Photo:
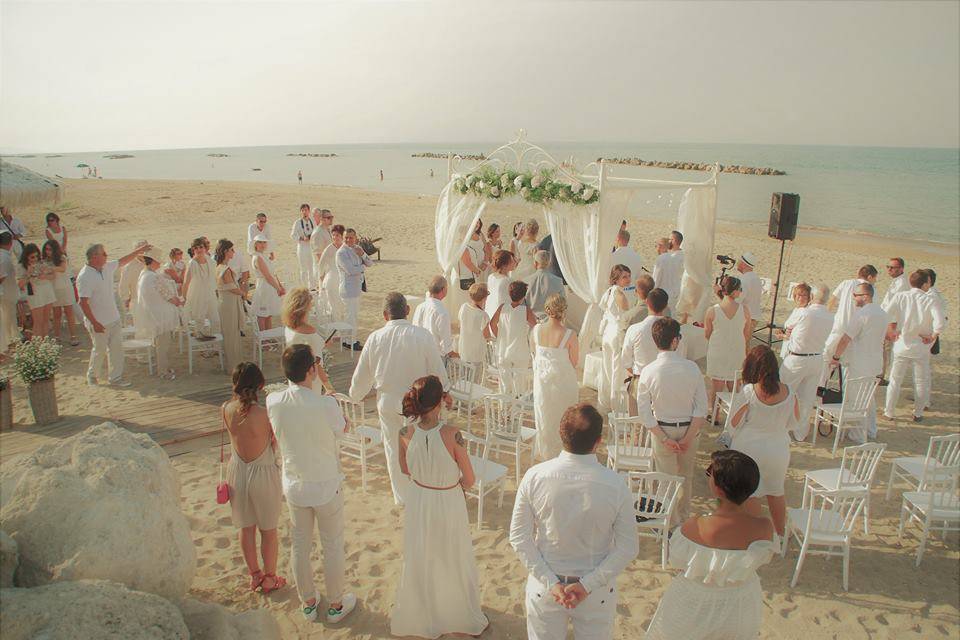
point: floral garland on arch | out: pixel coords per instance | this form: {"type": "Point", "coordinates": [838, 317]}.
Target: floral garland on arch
{"type": "Point", "coordinates": [538, 188]}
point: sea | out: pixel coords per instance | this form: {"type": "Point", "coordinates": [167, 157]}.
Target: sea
{"type": "Point", "coordinates": [893, 192]}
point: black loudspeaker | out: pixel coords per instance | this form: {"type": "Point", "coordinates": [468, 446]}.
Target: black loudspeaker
{"type": "Point", "coordinates": [784, 209]}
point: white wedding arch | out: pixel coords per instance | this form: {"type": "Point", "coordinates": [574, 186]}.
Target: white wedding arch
{"type": "Point", "coordinates": [583, 234]}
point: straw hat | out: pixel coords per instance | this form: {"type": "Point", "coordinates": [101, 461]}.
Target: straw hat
{"type": "Point", "coordinates": [749, 259]}
{"type": "Point", "coordinates": [153, 253]}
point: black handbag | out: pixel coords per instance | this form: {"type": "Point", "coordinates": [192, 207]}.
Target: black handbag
{"type": "Point", "coordinates": [935, 349]}
{"type": "Point", "coordinates": [466, 283]}
{"type": "Point", "coordinates": [828, 394]}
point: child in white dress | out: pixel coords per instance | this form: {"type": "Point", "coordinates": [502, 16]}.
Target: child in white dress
{"type": "Point", "coordinates": [474, 325]}
{"type": "Point", "coordinates": [511, 325]}
{"type": "Point", "coordinates": [200, 289]}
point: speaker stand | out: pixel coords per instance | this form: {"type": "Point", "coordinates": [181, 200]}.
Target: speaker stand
{"type": "Point", "coordinates": [769, 341]}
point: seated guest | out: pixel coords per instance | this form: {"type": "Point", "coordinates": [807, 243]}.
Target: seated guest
{"type": "Point", "coordinates": [254, 477]}
{"type": "Point", "coordinates": [298, 330]}
{"type": "Point", "coordinates": [156, 313]}
{"type": "Point", "coordinates": [717, 594]}
{"type": "Point", "coordinates": [474, 326]}
{"type": "Point", "coordinates": [542, 283]}
{"type": "Point", "coordinates": [434, 317]}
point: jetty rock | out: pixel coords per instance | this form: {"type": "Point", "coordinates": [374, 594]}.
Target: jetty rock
{"type": "Point", "coordinates": [208, 621]}
{"type": "Point", "coordinates": [102, 504]}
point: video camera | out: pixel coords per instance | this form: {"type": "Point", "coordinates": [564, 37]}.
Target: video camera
{"type": "Point", "coordinates": [726, 262]}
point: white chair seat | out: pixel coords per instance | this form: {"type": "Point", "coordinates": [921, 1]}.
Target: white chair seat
{"type": "Point", "coordinates": [642, 459]}
{"type": "Point", "coordinates": [914, 465]}
{"type": "Point", "coordinates": [467, 391]}
{"type": "Point", "coordinates": [921, 499]}
{"type": "Point", "coordinates": [833, 410]}
{"type": "Point", "coordinates": [371, 433]}
{"type": "Point", "coordinates": [831, 478]}
{"type": "Point", "coordinates": [821, 520]}
{"type": "Point", "coordinates": [487, 470]}
{"type": "Point", "coordinates": [137, 343]}
{"type": "Point", "coordinates": [272, 334]}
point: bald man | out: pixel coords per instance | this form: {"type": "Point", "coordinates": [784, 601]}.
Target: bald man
{"type": "Point", "coordinates": [434, 317]}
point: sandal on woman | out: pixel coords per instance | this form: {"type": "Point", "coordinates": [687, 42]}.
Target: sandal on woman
{"type": "Point", "coordinates": [278, 583]}
{"type": "Point", "coordinates": [256, 579]}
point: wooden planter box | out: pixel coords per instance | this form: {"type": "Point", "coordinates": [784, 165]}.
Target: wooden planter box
{"type": "Point", "coordinates": [6, 408]}
{"type": "Point", "coordinates": [43, 401]}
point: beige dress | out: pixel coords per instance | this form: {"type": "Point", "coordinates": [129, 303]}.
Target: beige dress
{"type": "Point", "coordinates": [256, 492]}
{"type": "Point", "coordinates": [231, 318]}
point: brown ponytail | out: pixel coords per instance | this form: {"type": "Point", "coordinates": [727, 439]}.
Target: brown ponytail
{"type": "Point", "coordinates": [728, 285]}
{"type": "Point", "coordinates": [760, 368]}
{"type": "Point", "coordinates": [425, 394]}
{"type": "Point", "coordinates": [247, 382]}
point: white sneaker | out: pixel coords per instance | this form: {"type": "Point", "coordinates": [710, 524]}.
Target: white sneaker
{"type": "Point", "coordinates": [120, 383]}
{"type": "Point", "coordinates": [347, 604]}
{"type": "Point", "coordinates": [310, 611]}
{"type": "Point", "coordinates": [91, 381]}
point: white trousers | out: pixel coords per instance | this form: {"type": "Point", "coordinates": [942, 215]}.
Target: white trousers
{"type": "Point", "coordinates": [333, 303]}
{"type": "Point", "coordinates": [592, 619]}
{"type": "Point", "coordinates": [352, 311]}
{"type": "Point", "coordinates": [329, 520]}
{"type": "Point", "coordinates": [802, 374]}
{"type": "Point", "coordinates": [8, 322]}
{"type": "Point", "coordinates": [305, 260]}
{"type": "Point", "coordinates": [921, 382]}
{"type": "Point", "coordinates": [611, 391]}
{"type": "Point", "coordinates": [389, 406]}
{"type": "Point", "coordinates": [106, 346]}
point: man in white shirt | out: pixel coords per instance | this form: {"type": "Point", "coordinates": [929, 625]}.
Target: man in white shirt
{"type": "Point", "coordinates": [916, 322]}
{"type": "Point", "coordinates": [898, 282]}
{"type": "Point", "coordinates": [941, 302]}
{"type": "Point", "coordinates": [668, 270]}
{"type": "Point", "coordinates": [672, 403]}
{"type": "Point", "coordinates": [129, 276]}
{"type": "Point", "coordinates": [300, 232]}
{"type": "Point", "coordinates": [307, 425]}
{"type": "Point", "coordinates": [805, 332]}
{"type": "Point", "coordinates": [352, 262]}
{"type": "Point", "coordinates": [100, 313]}
{"type": "Point", "coordinates": [434, 317]}
{"type": "Point", "coordinates": [750, 285]}
{"type": "Point", "coordinates": [14, 226]}
{"type": "Point", "coordinates": [260, 228]}
{"type": "Point", "coordinates": [240, 265]}
{"type": "Point", "coordinates": [842, 304]}
{"type": "Point", "coordinates": [394, 357]}
{"type": "Point", "coordinates": [9, 293]}
{"type": "Point", "coordinates": [863, 345]}
{"type": "Point", "coordinates": [625, 254]}
{"type": "Point", "coordinates": [573, 561]}
{"type": "Point", "coordinates": [328, 276]}
{"type": "Point", "coordinates": [320, 239]}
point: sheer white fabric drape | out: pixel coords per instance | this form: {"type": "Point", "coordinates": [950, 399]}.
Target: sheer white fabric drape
{"type": "Point", "coordinates": [456, 216]}
{"type": "Point", "coordinates": [696, 220]}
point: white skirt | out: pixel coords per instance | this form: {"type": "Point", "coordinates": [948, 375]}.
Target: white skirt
{"type": "Point", "coordinates": [265, 301]}
{"type": "Point", "coordinates": [43, 294]}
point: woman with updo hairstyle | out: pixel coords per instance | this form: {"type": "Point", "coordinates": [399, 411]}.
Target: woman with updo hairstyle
{"type": "Point", "coordinates": [611, 390]}
{"type": "Point", "coordinates": [717, 591]}
{"type": "Point", "coordinates": [439, 590]}
{"type": "Point", "coordinates": [498, 282]}
{"type": "Point", "coordinates": [472, 260]}
{"type": "Point", "coordinates": [760, 429]}
{"type": "Point", "coordinates": [254, 477]}
{"type": "Point", "coordinates": [297, 329]}
{"type": "Point", "coordinates": [727, 327]}
{"type": "Point", "coordinates": [556, 352]}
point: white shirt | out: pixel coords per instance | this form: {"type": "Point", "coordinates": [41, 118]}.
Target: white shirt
{"type": "Point", "coordinates": [939, 301]}
{"type": "Point", "coordinates": [670, 389]}
{"type": "Point", "coordinates": [97, 287]}
{"type": "Point", "coordinates": [810, 327]}
{"type": "Point", "coordinates": [394, 356]}
{"type": "Point", "coordinates": [898, 284]}
{"type": "Point", "coordinates": [639, 349]}
{"type": "Point", "coordinates": [314, 340]}
{"type": "Point", "coordinates": [628, 258]}
{"type": "Point", "coordinates": [668, 274]}
{"type": "Point", "coordinates": [307, 425]}
{"type": "Point", "coordinates": [129, 277]}
{"type": "Point", "coordinates": [302, 229]}
{"type": "Point", "coordinates": [351, 267]}
{"type": "Point", "coordinates": [253, 231]}
{"type": "Point", "coordinates": [752, 292]}
{"type": "Point", "coordinates": [916, 314]}
{"type": "Point", "coordinates": [550, 533]}
{"type": "Point", "coordinates": [434, 317]}
{"type": "Point", "coordinates": [8, 271]}
{"type": "Point", "coordinates": [320, 239]}
{"type": "Point", "coordinates": [867, 329]}
{"type": "Point", "coordinates": [239, 264]}
{"type": "Point", "coordinates": [845, 304]}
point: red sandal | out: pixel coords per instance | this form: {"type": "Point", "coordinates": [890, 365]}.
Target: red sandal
{"type": "Point", "coordinates": [256, 579]}
{"type": "Point", "coordinates": [278, 583]}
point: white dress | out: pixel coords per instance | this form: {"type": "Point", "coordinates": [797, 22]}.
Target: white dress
{"type": "Point", "coordinates": [762, 435]}
{"type": "Point", "coordinates": [314, 340]}
{"type": "Point", "coordinates": [499, 288]}
{"type": "Point", "coordinates": [513, 337]}
{"type": "Point", "coordinates": [610, 387]}
{"type": "Point", "coordinates": [472, 346]}
{"type": "Point", "coordinates": [43, 293]}
{"type": "Point", "coordinates": [727, 346]}
{"type": "Point", "coordinates": [555, 388]}
{"type": "Point", "coordinates": [717, 597]}
{"type": "Point", "coordinates": [526, 251]}
{"type": "Point", "coordinates": [201, 301]}
{"type": "Point", "coordinates": [56, 235]}
{"type": "Point", "coordinates": [265, 300]}
{"type": "Point", "coordinates": [62, 287]}
{"type": "Point", "coordinates": [475, 251]}
{"type": "Point", "coordinates": [152, 312]}
{"type": "Point", "coordinates": [439, 588]}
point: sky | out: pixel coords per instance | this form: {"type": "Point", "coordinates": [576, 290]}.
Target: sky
{"type": "Point", "coordinates": [87, 75]}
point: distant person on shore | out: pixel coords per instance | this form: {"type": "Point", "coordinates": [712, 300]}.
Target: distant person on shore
{"type": "Point", "coordinates": [898, 282]}
{"type": "Point", "coordinates": [260, 228]}
{"type": "Point", "coordinates": [300, 177]}
{"type": "Point", "coordinates": [329, 276]}
{"type": "Point", "coordinates": [9, 293]}
{"type": "Point", "coordinates": [434, 317]}
{"type": "Point", "coordinates": [300, 233]}
{"type": "Point", "coordinates": [352, 262]}
{"type": "Point", "coordinates": [668, 270]}
{"type": "Point", "coordinates": [320, 239]}
{"type": "Point", "coordinates": [381, 175]}
{"type": "Point", "coordinates": [541, 284]}
{"type": "Point", "coordinates": [56, 231]}
{"type": "Point", "coordinates": [200, 289]}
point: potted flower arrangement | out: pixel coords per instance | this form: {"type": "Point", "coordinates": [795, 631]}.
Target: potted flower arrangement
{"type": "Point", "coordinates": [6, 404]}
{"type": "Point", "coordinates": [36, 362]}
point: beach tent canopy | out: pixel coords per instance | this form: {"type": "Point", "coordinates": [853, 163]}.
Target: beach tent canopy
{"type": "Point", "coordinates": [20, 187]}
{"type": "Point", "coordinates": [583, 234]}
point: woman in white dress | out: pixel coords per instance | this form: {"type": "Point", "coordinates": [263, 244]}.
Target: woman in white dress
{"type": "Point", "coordinates": [472, 260]}
{"type": "Point", "coordinates": [556, 351]}
{"type": "Point", "coordinates": [511, 325]}
{"type": "Point", "coordinates": [175, 269]}
{"type": "Point", "coordinates": [36, 278]}
{"type": "Point", "coordinates": [499, 281]}
{"type": "Point", "coordinates": [494, 243]}
{"type": "Point", "coordinates": [155, 311]}
{"type": "Point", "coordinates": [760, 429]}
{"type": "Point", "coordinates": [56, 260]}
{"type": "Point", "coordinates": [56, 231]}
{"type": "Point", "coordinates": [266, 296]}
{"type": "Point", "coordinates": [526, 249]}
{"type": "Point", "coordinates": [727, 328]}
{"type": "Point", "coordinates": [717, 595]}
{"type": "Point", "coordinates": [474, 326]}
{"type": "Point", "coordinates": [200, 289]}
{"type": "Point", "coordinates": [298, 330]}
{"type": "Point", "coordinates": [439, 589]}
{"type": "Point", "coordinates": [611, 390]}
{"type": "Point", "coordinates": [330, 302]}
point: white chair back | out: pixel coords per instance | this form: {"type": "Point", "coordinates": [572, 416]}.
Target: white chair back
{"type": "Point", "coordinates": [941, 484]}
{"type": "Point", "coordinates": [833, 512]}
{"type": "Point", "coordinates": [464, 372]}
{"type": "Point", "coordinates": [476, 447]}
{"type": "Point", "coordinates": [858, 396]}
{"type": "Point", "coordinates": [355, 412]}
{"type": "Point", "coordinates": [656, 494]}
{"type": "Point", "coordinates": [516, 383]}
{"type": "Point", "coordinates": [630, 437]}
{"type": "Point", "coordinates": [502, 419]}
{"type": "Point", "coordinates": [945, 450]}
{"type": "Point", "coordinates": [859, 464]}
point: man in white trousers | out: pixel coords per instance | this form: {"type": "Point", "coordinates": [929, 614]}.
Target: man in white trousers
{"type": "Point", "coordinates": [9, 293]}
{"type": "Point", "coordinates": [352, 262]}
{"type": "Point", "coordinates": [574, 529]}
{"type": "Point", "coordinates": [320, 239]}
{"type": "Point", "coordinates": [394, 357]}
{"type": "Point", "coordinates": [668, 270]}
{"type": "Point", "coordinates": [434, 317]}
{"type": "Point", "coordinates": [300, 232]}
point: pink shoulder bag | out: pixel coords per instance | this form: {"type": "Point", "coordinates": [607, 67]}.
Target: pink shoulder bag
{"type": "Point", "coordinates": [223, 489]}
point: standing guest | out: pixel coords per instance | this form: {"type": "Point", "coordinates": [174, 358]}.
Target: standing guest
{"type": "Point", "coordinates": [200, 289]}
{"type": "Point", "coordinates": [863, 343]}
{"type": "Point", "coordinates": [916, 321]}
{"type": "Point", "coordinates": [573, 561]}
{"type": "Point", "coordinates": [556, 352]}
{"type": "Point", "coordinates": [320, 239]}
{"type": "Point", "coordinates": [493, 244]}
{"type": "Point", "coordinates": [842, 304]}
{"type": "Point", "coordinates": [474, 326]}
{"type": "Point", "coordinates": [297, 330]}
{"type": "Point", "coordinates": [645, 285]}
{"type": "Point", "coordinates": [300, 232]}
{"type": "Point", "coordinates": [668, 269]}
{"type": "Point", "coordinates": [395, 356]}
{"type": "Point", "coordinates": [300, 177]}
{"type": "Point", "coordinates": [260, 228]}
{"type": "Point", "coordinates": [9, 293]}
{"type": "Point", "coordinates": [498, 282]}
{"type": "Point", "coordinates": [256, 492]}
{"type": "Point", "coordinates": [541, 284]}
{"type": "Point", "coordinates": [473, 259]}
{"type": "Point", "coordinates": [769, 409]}
{"type": "Point", "coordinates": [307, 425]}
{"type": "Point", "coordinates": [434, 317]}
{"type": "Point", "coordinates": [898, 282]}
{"type": "Point", "coordinates": [101, 316]}
{"type": "Point", "coordinates": [616, 310]}
{"type": "Point", "coordinates": [240, 266]}
{"type": "Point", "coordinates": [639, 349]}
{"type": "Point", "coordinates": [672, 402]}
{"type": "Point", "coordinates": [156, 313]}
{"type": "Point", "coordinates": [727, 328]}
{"type": "Point", "coordinates": [268, 289]}
{"type": "Point", "coordinates": [722, 598]}
{"type": "Point", "coordinates": [941, 302]}
{"type": "Point", "coordinates": [329, 277]}
{"type": "Point", "coordinates": [662, 246]}
{"type": "Point", "coordinates": [352, 262]}
{"type": "Point", "coordinates": [439, 590]}
{"type": "Point", "coordinates": [626, 255]}
{"type": "Point", "coordinates": [806, 332]}
{"type": "Point", "coordinates": [14, 226]}
{"type": "Point", "coordinates": [36, 277]}
{"type": "Point", "coordinates": [515, 238]}
{"type": "Point", "coordinates": [230, 307]}
{"type": "Point", "coordinates": [511, 325]}
{"type": "Point", "coordinates": [526, 248]}
{"type": "Point", "coordinates": [750, 284]}
{"type": "Point", "coordinates": [64, 298]}
{"type": "Point", "coordinates": [56, 231]}
{"type": "Point", "coordinates": [129, 276]}
{"type": "Point", "coordinates": [175, 269]}
{"type": "Point", "coordinates": [547, 245]}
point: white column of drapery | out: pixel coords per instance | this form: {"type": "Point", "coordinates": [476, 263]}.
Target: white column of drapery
{"type": "Point", "coordinates": [456, 216]}
{"type": "Point", "coordinates": [696, 220]}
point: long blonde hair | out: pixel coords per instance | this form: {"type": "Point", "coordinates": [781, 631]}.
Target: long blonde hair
{"type": "Point", "coordinates": [296, 306]}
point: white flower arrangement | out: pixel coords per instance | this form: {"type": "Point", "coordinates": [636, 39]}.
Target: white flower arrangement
{"type": "Point", "coordinates": [504, 181]}
{"type": "Point", "coordinates": [37, 359]}
{"type": "Point", "coordinates": [576, 187]}
{"type": "Point", "coordinates": [539, 188]}
{"type": "Point", "coordinates": [518, 182]}
{"type": "Point", "coordinates": [587, 193]}
{"type": "Point", "coordinates": [536, 181]}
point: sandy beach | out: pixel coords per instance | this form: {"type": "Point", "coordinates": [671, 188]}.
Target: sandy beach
{"type": "Point", "coordinates": [888, 598]}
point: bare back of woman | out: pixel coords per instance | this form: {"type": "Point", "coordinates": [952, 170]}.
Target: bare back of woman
{"type": "Point", "coordinates": [727, 530]}
{"type": "Point", "coordinates": [249, 429]}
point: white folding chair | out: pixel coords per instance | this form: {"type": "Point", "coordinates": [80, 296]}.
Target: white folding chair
{"type": "Point", "coordinates": [346, 333]}
{"type": "Point", "coordinates": [265, 338]}
{"type": "Point", "coordinates": [363, 439]}
{"type": "Point", "coordinates": [942, 451]}
{"type": "Point", "coordinates": [518, 384]}
{"type": "Point", "coordinates": [936, 504]}
{"type": "Point", "coordinates": [631, 447]}
{"type": "Point", "coordinates": [852, 412]}
{"type": "Point", "coordinates": [856, 472]}
{"type": "Point", "coordinates": [213, 345]}
{"type": "Point", "coordinates": [491, 362]}
{"type": "Point", "coordinates": [466, 386]}
{"type": "Point", "coordinates": [656, 498]}
{"type": "Point", "coordinates": [504, 430]}
{"type": "Point", "coordinates": [490, 475]}
{"type": "Point", "coordinates": [724, 400]}
{"type": "Point", "coordinates": [137, 347]}
{"type": "Point", "coordinates": [826, 522]}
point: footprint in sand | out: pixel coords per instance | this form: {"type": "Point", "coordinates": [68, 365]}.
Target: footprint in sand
{"type": "Point", "coordinates": [221, 542]}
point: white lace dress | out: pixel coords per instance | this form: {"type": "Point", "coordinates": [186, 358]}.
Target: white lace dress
{"type": "Point", "coordinates": [201, 300]}
{"type": "Point", "coordinates": [716, 597]}
{"type": "Point", "coordinates": [266, 302]}
{"type": "Point", "coordinates": [555, 388]}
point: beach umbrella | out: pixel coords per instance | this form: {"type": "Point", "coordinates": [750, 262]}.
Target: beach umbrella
{"type": "Point", "coordinates": [20, 187]}
{"type": "Point", "coordinates": [82, 165]}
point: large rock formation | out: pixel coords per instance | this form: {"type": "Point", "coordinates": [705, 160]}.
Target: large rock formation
{"type": "Point", "coordinates": [103, 504]}
{"type": "Point", "coordinates": [9, 559]}
{"type": "Point", "coordinates": [207, 621]}
{"type": "Point", "coordinates": [88, 610]}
